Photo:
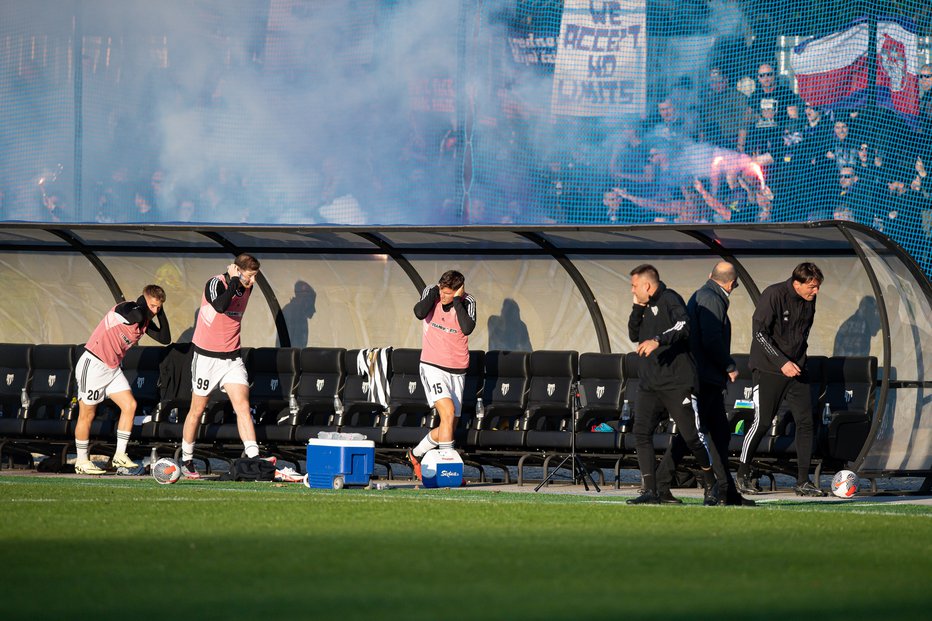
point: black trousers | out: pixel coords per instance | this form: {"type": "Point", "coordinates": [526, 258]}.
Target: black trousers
{"type": "Point", "coordinates": [713, 425]}
{"type": "Point", "coordinates": [770, 390]}
{"type": "Point", "coordinates": [679, 405]}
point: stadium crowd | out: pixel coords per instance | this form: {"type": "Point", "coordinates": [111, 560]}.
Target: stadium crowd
{"type": "Point", "coordinates": [733, 148]}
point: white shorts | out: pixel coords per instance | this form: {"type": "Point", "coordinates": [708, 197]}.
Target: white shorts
{"type": "Point", "coordinates": [208, 373]}
{"type": "Point", "coordinates": [440, 384]}
{"type": "Point", "coordinates": [96, 381]}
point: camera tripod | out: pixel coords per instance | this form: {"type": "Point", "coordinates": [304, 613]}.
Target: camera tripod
{"type": "Point", "coordinates": [579, 470]}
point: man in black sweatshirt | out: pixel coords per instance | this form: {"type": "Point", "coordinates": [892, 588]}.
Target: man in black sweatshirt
{"type": "Point", "coordinates": [658, 324]}
{"type": "Point", "coordinates": [780, 326]}
{"type": "Point", "coordinates": [710, 343]}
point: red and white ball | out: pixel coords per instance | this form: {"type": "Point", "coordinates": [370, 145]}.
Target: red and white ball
{"type": "Point", "coordinates": [845, 484]}
{"type": "Point", "coordinates": [166, 471]}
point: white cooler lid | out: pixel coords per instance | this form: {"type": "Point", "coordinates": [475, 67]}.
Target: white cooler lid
{"type": "Point", "coordinates": [357, 443]}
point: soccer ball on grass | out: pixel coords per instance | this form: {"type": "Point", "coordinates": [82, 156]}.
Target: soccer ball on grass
{"type": "Point", "coordinates": [845, 484]}
{"type": "Point", "coordinates": [166, 471]}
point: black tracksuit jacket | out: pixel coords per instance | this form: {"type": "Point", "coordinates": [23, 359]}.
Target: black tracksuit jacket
{"type": "Point", "coordinates": [710, 334]}
{"type": "Point", "coordinates": [664, 319]}
{"type": "Point", "coordinates": [780, 328]}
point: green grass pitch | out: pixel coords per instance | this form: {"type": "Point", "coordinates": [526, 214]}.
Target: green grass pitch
{"type": "Point", "coordinates": [130, 549]}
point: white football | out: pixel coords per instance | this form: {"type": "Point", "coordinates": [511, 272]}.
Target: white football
{"type": "Point", "coordinates": [166, 471]}
{"type": "Point", "coordinates": [845, 484]}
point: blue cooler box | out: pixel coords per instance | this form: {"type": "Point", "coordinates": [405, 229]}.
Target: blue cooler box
{"type": "Point", "coordinates": [331, 464]}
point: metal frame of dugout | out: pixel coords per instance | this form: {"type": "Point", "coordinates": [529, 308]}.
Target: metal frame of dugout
{"type": "Point", "coordinates": [900, 437]}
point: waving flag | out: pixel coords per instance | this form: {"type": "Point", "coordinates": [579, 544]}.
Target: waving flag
{"type": "Point", "coordinates": [832, 71]}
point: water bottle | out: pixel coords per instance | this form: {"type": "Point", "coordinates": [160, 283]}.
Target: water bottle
{"type": "Point", "coordinates": [24, 400]}
{"type": "Point", "coordinates": [480, 409]}
{"type": "Point", "coordinates": [625, 417]}
{"type": "Point", "coordinates": [773, 426]}
{"type": "Point", "coordinates": [292, 406]}
{"type": "Point", "coordinates": [827, 415]}
{"type": "Point", "coordinates": [671, 425]}
{"type": "Point", "coordinates": [337, 405]}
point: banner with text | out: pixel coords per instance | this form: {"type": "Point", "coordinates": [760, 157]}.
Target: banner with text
{"type": "Point", "coordinates": [601, 63]}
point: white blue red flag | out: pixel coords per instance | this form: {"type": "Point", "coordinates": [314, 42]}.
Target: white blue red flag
{"type": "Point", "coordinates": [832, 70]}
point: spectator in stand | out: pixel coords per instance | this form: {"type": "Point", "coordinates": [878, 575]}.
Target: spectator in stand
{"type": "Point", "coordinates": [55, 208]}
{"type": "Point", "coordinates": [853, 199]}
{"type": "Point", "coordinates": [841, 149]}
{"type": "Point", "coordinates": [742, 198]}
{"type": "Point", "coordinates": [672, 128]}
{"type": "Point", "coordinates": [611, 201]}
{"type": "Point", "coordinates": [925, 107]}
{"type": "Point", "coordinates": [770, 87]}
{"type": "Point", "coordinates": [723, 113]}
{"type": "Point", "coordinates": [815, 137]}
{"type": "Point", "coordinates": [629, 163]}
{"type": "Point", "coordinates": [685, 98]}
{"type": "Point", "coordinates": [682, 207]}
{"type": "Point", "coordinates": [869, 165]}
{"type": "Point", "coordinates": [898, 205]}
{"type": "Point", "coordinates": [143, 202]}
{"type": "Point", "coordinates": [551, 191]}
{"type": "Point", "coordinates": [765, 136]}
{"type": "Point", "coordinates": [805, 145]}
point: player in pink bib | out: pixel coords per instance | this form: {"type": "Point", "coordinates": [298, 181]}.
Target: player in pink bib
{"type": "Point", "coordinates": [449, 316]}
{"type": "Point", "coordinates": [99, 375]}
{"type": "Point", "coordinates": [217, 362]}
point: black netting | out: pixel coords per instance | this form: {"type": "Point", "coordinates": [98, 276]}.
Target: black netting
{"type": "Point", "coordinates": [468, 111]}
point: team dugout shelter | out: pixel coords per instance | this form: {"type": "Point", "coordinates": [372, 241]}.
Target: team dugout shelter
{"type": "Point", "coordinates": [544, 288]}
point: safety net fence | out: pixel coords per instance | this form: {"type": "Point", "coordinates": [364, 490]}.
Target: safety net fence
{"type": "Point", "coordinates": [416, 112]}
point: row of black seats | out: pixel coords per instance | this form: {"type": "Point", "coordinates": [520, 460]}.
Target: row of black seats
{"type": "Point", "coordinates": [516, 404]}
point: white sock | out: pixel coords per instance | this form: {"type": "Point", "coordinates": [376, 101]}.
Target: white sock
{"type": "Point", "coordinates": [81, 445]}
{"type": "Point", "coordinates": [446, 445]}
{"type": "Point", "coordinates": [187, 451]}
{"type": "Point", "coordinates": [122, 441]}
{"type": "Point", "coordinates": [252, 449]}
{"type": "Point", "coordinates": [427, 444]}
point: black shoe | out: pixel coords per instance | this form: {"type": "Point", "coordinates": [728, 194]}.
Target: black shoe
{"type": "Point", "coordinates": [746, 485]}
{"type": "Point", "coordinates": [808, 489]}
{"type": "Point", "coordinates": [647, 498]}
{"type": "Point", "coordinates": [710, 495]}
{"type": "Point", "coordinates": [667, 498]}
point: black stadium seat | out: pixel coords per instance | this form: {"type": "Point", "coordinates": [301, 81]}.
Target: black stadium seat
{"type": "Point", "coordinates": [504, 396]}
{"type": "Point", "coordinates": [174, 391]}
{"type": "Point", "coordinates": [51, 393]}
{"type": "Point", "coordinates": [409, 416]}
{"type": "Point", "coordinates": [273, 374]}
{"type": "Point", "coordinates": [849, 394]}
{"type": "Point", "coordinates": [14, 377]}
{"type": "Point", "coordinates": [601, 394]}
{"type": "Point", "coordinates": [551, 399]}
{"type": "Point", "coordinates": [320, 379]}
{"type": "Point", "coordinates": [141, 366]}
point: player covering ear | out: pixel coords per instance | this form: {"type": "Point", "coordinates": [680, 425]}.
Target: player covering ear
{"type": "Point", "coordinates": [99, 375]}
{"type": "Point", "coordinates": [449, 316]}
{"type": "Point", "coordinates": [217, 362]}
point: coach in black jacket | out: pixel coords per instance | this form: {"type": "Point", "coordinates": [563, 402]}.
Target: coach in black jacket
{"type": "Point", "coordinates": [710, 343]}
{"type": "Point", "coordinates": [667, 374]}
{"type": "Point", "coordinates": [780, 325]}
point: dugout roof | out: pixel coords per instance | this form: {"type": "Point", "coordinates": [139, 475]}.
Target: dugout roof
{"type": "Point", "coordinates": [557, 287]}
